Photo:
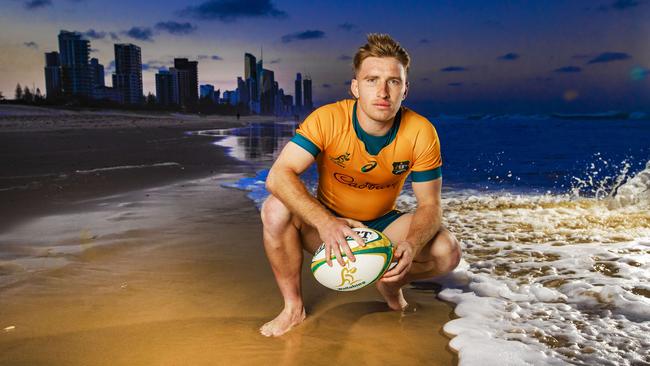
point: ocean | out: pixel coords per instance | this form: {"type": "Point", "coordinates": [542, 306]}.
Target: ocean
{"type": "Point", "coordinates": [553, 216]}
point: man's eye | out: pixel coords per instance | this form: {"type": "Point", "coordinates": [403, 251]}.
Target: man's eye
{"type": "Point", "coordinates": [395, 82]}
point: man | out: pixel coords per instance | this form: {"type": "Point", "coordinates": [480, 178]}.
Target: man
{"type": "Point", "coordinates": [364, 150]}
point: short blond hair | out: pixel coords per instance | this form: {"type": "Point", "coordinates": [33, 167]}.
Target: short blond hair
{"type": "Point", "coordinates": [381, 45]}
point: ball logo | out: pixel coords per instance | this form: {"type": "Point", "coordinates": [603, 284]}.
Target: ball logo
{"type": "Point", "coordinates": [347, 275]}
{"type": "Point", "coordinates": [368, 167]}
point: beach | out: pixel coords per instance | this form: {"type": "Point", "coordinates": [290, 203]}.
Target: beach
{"type": "Point", "coordinates": [120, 244]}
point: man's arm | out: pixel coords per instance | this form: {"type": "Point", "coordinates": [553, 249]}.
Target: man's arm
{"type": "Point", "coordinates": [428, 214]}
{"type": "Point", "coordinates": [284, 182]}
{"type": "Point", "coordinates": [424, 226]}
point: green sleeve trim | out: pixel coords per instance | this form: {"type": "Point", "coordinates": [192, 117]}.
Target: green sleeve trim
{"type": "Point", "coordinates": [427, 175]}
{"type": "Point", "coordinates": [306, 144]}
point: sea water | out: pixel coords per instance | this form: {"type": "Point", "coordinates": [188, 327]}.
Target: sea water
{"type": "Point", "coordinates": [554, 220]}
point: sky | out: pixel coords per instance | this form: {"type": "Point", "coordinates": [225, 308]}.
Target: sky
{"type": "Point", "coordinates": [467, 56]}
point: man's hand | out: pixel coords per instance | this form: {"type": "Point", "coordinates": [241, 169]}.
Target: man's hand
{"type": "Point", "coordinates": [404, 253]}
{"type": "Point", "coordinates": [334, 233]}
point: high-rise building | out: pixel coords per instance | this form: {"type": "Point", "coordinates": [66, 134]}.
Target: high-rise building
{"type": "Point", "coordinates": [164, 88]}
{"type": "Point", "coordinates": [52, 74]}
{"type": "Point", "coordinates": [298, 84]}
{"type": "Point", "coordinates": [181, 86]}
{"type": "Point", "coordinates": [242, 90]}
{"type": "Point", "coordinates": [207, 91]}
{"type": "Point", "coordinates": [287, 104]}
{"type": "Point", "coordinates": [75, 72]}
{"type": "Point", "coordinates": [267, 99]}
{"type": "Point", "coordinates": [96, 73]}
{"type": "Point", "coordinates": [128, 72]}
{"type": "Point", "coordinates": [309, 104]}
{"type": "Point", "coordinates": [250, 73]}
{"type": "Point", "coordinates": [191, 92]}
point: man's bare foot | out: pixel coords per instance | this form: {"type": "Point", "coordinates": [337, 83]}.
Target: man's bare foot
{"type": "Point", "coordinates": [393, 295]}
{"type": "Point", "coordinates": [282, 323]}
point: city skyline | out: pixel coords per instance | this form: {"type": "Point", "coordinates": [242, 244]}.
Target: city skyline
{"type": "Point", "coordinates": [467, 56]}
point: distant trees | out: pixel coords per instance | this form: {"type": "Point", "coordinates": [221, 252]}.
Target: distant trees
{"type": "Point", "coordinates": [2, 97]}
{"type": "Point", "coordinates": [19, 92]}
{"type": "Point", "coordinates": [151, 99]}
{"type": "Point", "coordinates": [27, 95]}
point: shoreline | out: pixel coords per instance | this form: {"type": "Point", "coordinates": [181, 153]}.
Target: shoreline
{"type": "Point", "coordinates": [53, 161]}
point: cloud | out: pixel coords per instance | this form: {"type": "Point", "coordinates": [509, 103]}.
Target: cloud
{"type": "Point", "coordinates": [349, 27]}
{"type": "Point", "coordinates": [31, 44]}
{"type": "Point", "coordinates": [140, 33]}
{"type": "Point", "coordinates": [508, 57]}
{"type": "Point", "coordinates": [624, 4]}
{"type": "Point", "coordinates": [301, 36]}
{"type": "Point", "coordinates": [213, 57]}
{"type": "Point", "coordinates": [453, 69]}
{"type": "Point", "coordinates": [609, 57]}
{"type": "Point", "coordinates": [568, 69]}
{"type": "Point", "coordinates": [326, 86]}
{"type": "Point", "coordinates": [619, 5]}
{"type": "Point", "coordinates": [455, 84]}
{"type": "Point", "coordinates": [345, 58]}
{"type": "Point", "coordinates": [153, 65]}
{"type": "Point", "coordinates": [93, 34]}
{"type": "Point", "coordinates": [275, 61]}
{"type": "Point", "coordinates": [110, 68]}
{"type": "Point", "coordinates": [35, 4]}
{"type": "Point", "coordinates": [177, 28]}
{"type": "Point", "coordinates": [231, 10]}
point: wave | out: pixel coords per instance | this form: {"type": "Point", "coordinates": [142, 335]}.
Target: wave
{"type": "Point", "coordinates": [123, 167]}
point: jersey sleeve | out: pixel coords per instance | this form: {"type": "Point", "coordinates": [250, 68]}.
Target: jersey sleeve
{"type": "Point", "coordinates": [309, 134]}
{"type": "Point", "coordinates": [428, 162]}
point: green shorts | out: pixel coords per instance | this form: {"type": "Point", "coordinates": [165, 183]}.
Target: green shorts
{"type": "Point", "coordinates": [380, 223]}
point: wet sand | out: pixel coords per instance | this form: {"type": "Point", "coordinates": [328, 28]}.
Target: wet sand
{"type": "Point", "coordinates": [176, 274]}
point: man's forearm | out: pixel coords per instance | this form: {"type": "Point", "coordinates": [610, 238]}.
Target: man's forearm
{"type": "Point", "coordinates": [288, 188]}
{"type": "Point", "coordinates": [424, 226]}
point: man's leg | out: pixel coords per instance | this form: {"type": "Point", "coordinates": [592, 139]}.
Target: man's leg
{"type": "Point", "coordinates": [438, 257]}
{"type": "Point", "coordinates": [284, 234]}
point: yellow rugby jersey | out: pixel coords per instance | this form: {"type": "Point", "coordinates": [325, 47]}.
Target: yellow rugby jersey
{"type": "Point", "coordinates": [359, 184]}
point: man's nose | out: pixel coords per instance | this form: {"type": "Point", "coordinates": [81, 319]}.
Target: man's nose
{"type": "Point", "coordinates": [382, 90]}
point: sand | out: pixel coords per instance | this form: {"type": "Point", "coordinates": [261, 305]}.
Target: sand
{"type": "Point", "coordinates": [172, 271]}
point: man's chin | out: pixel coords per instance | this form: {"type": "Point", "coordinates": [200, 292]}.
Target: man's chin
{"type": "Point", "coordinates": [383, 116]}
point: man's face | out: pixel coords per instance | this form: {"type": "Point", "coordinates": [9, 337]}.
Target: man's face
{"type": "Point", "coordinates": [380, 86]}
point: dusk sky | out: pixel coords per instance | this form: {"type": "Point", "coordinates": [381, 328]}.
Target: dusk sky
{"type": "Point", "coordinates": [467, 56]}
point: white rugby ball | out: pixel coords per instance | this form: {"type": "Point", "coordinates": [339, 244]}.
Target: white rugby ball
{"type": "Point", "coordinates": [372, 261]}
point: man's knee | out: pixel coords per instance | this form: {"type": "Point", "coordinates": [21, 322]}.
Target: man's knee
{"type": "Point", "coordinates": [275, 215]}
{"type": "Point", "coordinates": [446, 251]}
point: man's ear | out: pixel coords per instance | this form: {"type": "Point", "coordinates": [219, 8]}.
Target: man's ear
{"type": "Point", "coordinates": [406, 90]}
{"type": "Point", "coordinates": [354, 88]}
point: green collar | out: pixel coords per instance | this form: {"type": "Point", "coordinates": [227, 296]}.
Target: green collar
{"type": "Point", "coordinates": [374, 144]}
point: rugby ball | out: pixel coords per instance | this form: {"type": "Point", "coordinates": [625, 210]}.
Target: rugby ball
{"type": "Point", "coordinates": [372, 261]}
